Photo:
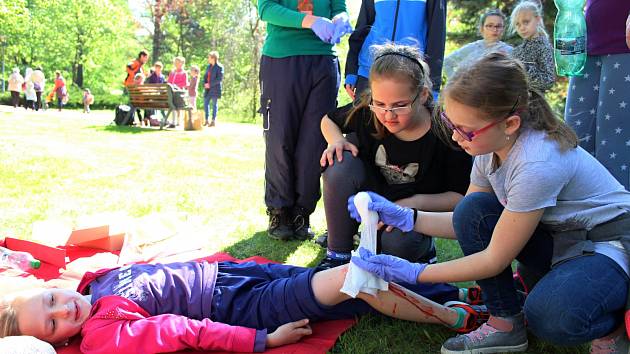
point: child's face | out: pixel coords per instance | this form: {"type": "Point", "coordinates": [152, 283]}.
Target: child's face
{"type": "Point", "coordinates": [194, 73]}
{"type": "Point", "coordinates": [388, 93]}
{"type": "Point", "coordinates": [138, 81]}
{"type": "Point", "coordinates": [52, 315]}
{"type": "Point", "coordinates": [158, 70]}
{"type": "Point", "coordinates": [492, 29]}
{"type": "Point", "coordinates": [527, 24]}
{"type": "Point", "coordinates": [469, 119]}
{"type": "Point", "coordinates": [178, 64]}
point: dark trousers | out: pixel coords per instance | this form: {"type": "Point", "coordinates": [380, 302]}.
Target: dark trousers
{"type": "Point", "coordinates": [474, 220]}
{"type": "Point", "coordinates": [38, 103]}
{"type": "Point", "coordinates": [296, 92]}
{"type": "Point", "coordinates": [15, 99]}
{"type": "Point", "coordinates": [345, 178]}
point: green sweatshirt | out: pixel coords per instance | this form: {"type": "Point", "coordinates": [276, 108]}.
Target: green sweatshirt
{"type": "Point", "coordinates": [285, 35]}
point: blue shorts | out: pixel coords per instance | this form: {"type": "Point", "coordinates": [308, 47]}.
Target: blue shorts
{"type": "Point", "coordinates": [270, 295]}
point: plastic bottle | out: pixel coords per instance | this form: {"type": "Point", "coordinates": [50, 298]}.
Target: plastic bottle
{"type": "Point", "coordinates": [570, 37]}
{"type": "Point", "coordinates": [17, 259]}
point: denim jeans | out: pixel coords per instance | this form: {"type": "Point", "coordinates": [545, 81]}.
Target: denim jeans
{"type": "Point", "coordinates": [579, 300]}
{"type": "Point", "coordinates": [474, 220]}
{"type": "Point", "coordinates": [574, 302]}
{"type": "Point", "coordinates": [206, 106]}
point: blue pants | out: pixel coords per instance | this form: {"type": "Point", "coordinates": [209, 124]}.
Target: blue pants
{"type": "Point", "coordinates": [206, 106]}
{"type": "Point", "coordinates": [270, 295]}
{"type": "Point", "coordinates": [576, 301]}
{"type": "Point", "coordinates": [296, 92]}
{"type": "Point", "coordinates": [598, 105]}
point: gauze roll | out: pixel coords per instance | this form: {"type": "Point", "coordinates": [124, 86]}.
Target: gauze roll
{"type": "Point", "coordinates": [357, 279]}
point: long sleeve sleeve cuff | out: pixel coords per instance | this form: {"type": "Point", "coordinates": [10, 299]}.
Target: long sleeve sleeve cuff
{"type": "Point", "coordinates": [260, 343]}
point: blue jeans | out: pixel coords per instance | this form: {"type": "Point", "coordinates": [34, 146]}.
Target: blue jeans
{"type": "Point", "coordinates": [579, 300]}
{"type": "Point", "coordinates": [576, 301]}
{"type": "Point", "coordinates": [474, 220]}
{"type": "Point", "coordinates": [206, 106]}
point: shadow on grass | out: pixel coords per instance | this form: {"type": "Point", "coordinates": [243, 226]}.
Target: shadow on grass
{"type": "Point", "coordinates": [259, 244]}
{"type": "Point", "coordinates": [124, 129]}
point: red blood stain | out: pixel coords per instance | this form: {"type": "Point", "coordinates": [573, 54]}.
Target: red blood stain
{"type": "Point", "coordinates": [394, 309]}
{"type": "Point", "coordinates": [398, 290]}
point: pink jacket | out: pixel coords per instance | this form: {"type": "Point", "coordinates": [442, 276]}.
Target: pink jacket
{"type": "Point", "coordinates": [119, 325]}
{"type": "Point", "coordinates": [178, 78]}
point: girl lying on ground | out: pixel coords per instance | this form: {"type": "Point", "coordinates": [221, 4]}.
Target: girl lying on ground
{"type": "Point", "coordinates": [209, 306]}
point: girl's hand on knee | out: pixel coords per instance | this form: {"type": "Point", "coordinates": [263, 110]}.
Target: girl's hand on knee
{"type": "Point", "coordinates": [289, 333]}
{"type": "Point", "coordinates": [337, 148]}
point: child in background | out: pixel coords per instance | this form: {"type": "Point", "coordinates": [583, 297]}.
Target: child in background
{"type": "Point", "coordinates": [29, 90]}
{"type": "Point", "coordinates": [225, 306]}
{"type": "Point", "coordinates": [88, 99]}
{"type": "Point", "coordinates": [60, 90]}
{"type": "Point", "coordinates": [192, 86]}
{"type": "Point", "coordinates": [138, 79]}
{"type": "Point", "coordinates": [156, 77]}
{"type": "Point", "coordinates": [535, 52]}
{"type": "Point", "coordinates": [179, 79]}
{"type": "Point", "coordinates": [16, 80]}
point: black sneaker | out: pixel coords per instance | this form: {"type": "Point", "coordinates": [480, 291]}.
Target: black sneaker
{"type": "Point", "coordinates": [279, 226]}
{"type": "Point", "coordinates": [322, 240]}
{"type": "Point", "coordinates": [301, 225]}
{"type": "Point", "coordinates": [328, 263]}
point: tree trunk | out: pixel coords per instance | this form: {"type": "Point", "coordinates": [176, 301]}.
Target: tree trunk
{"type": "Point", "coordinates": [157, 38]}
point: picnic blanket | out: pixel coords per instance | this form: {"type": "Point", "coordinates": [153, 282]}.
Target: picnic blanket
{"type": "Point", "coordinates": [324, 335]}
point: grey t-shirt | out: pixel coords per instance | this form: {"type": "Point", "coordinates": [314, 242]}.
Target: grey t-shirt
{"type": "Point", "coordinates": [576, 191]}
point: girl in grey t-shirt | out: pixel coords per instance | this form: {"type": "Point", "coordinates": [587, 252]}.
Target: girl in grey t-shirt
{"type": "Point", "coordinates": [535, 197]}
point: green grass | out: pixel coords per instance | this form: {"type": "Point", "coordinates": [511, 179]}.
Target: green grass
{"type": "Point", "coordinates": [67, 165]}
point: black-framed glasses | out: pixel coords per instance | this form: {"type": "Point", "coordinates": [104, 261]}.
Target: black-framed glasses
{"type": "Point", "coordinates": [468, 136]}
{"type": "Point", "coordinates": [395, 110]}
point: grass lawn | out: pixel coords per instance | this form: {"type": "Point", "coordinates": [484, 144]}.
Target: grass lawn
{"type": "Point", "coordinates": [70, 164]}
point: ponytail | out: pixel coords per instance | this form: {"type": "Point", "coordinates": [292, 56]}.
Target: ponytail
{"type": "Point", "coordinates": [8, 320]}
{"type": "Point", "coordinates": [541, 117]}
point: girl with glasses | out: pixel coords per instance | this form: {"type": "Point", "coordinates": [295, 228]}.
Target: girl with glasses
{"type": "Point", "coordinates": [534, 196]}
{"type": "Point", "coordinates": [391, 148]}
{"type": "Point", "coordinates": [491, 25]}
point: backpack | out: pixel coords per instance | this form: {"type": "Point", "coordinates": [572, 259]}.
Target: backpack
{"type": "Point", "coordinates": [121, 113]}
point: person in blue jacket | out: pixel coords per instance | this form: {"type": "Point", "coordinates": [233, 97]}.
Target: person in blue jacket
{"type": "Point", "coordinates": [213, 85]}
{"type": "Point", "coordinates": [420, 23]}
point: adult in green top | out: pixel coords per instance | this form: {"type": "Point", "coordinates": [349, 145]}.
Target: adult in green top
{"type": "Point", "coordinates": [299, 80]}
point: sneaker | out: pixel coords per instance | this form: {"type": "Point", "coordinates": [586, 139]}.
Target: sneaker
{"type": "Point", "coordinates": [329, 262]}
{"type": "Point", "coordinates": [322, 240]}
{"type": "Point", "coordinates": [475, 315]}
{"type": "Point", "coordinates": [301, 224]}
{"type": "Point", "coordinates": [471, 295]}
{"type": "Point", "coordinates": [615, 343]}
{"type": "Point", "coordinates": [171, 126]}
{"type": "Point", "coordinates": [211, 124]}
{"type": "Point", "coordinates": [494, 336]}
{"type": "Point", "coordinates": [279, 226]}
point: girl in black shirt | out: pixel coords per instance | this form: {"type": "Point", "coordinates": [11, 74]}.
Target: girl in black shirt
{"type": "Point", "coordinates": [391, 147]}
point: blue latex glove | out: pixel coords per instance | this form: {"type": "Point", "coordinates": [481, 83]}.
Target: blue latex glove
{"type": "Point", "coordinates": [351, 80]}
{"type": "Point", "coordinates": [342, 27]}
{"type": "Point", "coordinates": [324, 29]}
{"type": "Point", "coordinates": [389, 213]}
{"type": "Point", "coordinates": [389, 268]}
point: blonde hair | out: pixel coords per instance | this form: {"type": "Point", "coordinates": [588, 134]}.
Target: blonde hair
{"type": "Point", "coordinates": [400, 62]}
{"type": "Point", "coordinates": [158, 63]}
{"type": "Point", "coordinates": [533, 7]}
{"type": "Point", "coordinates": [497, 85]}
{"type": "Point", "coordinates": [214, 54]}
{"type": "Point", "coordinates": [179, 59]}
{"type": "Point", "coordinates": [8, 319]}
{"type": "Point", "coordinates": [194, 68]}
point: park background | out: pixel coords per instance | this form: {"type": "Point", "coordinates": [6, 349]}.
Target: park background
{"type": "Point", "coordinates": [65, 165]}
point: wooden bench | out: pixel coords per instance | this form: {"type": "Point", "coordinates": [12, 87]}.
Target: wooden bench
{"type": "Point", "coordinates": [157, 97]}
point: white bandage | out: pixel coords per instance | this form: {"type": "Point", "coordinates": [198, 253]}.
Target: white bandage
{"type": "Point", "coordinates": [357, 279]}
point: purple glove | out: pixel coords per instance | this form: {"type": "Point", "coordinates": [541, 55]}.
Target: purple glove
{"type": "Point", "coordinates": [389, 268]}
{"type": "Point", "coordinates": [342, 27]}
{"type": "Point", "coordinates": [389, 213]}
{"type": "Point", "coordinates": [324, 29]}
